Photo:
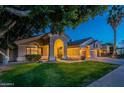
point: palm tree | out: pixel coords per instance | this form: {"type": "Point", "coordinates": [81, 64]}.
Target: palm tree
{"type": "Point", "coordinates": [114, 19]}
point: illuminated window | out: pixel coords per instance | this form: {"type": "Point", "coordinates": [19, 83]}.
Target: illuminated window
{"type": "Point", "coordinates": [33, 51]}
{"type": "Point", "coordinates": [28, 51]}
{"type": "Point", "coordinates": [39, 50]}
{"type": "Point", "coordinates": [73, 52]}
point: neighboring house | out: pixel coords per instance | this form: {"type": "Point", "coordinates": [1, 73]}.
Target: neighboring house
{"type": "Point", "coordinates": [52, 47]}
{"type": "Point", "coordinates": [107, 49]}
{"type": "Point", "coordinates": [121, 44]}
{"type": "Point", "coordinates": [120, 51]}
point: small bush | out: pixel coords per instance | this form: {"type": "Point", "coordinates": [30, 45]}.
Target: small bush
{"type": "Point", "coordinates": [33, 57]}
{"type": "Point", "coordinates": [83, 57]}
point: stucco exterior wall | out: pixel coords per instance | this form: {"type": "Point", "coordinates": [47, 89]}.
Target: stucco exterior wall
{"type": "Point", "coordinates": [45, 52]}
{"type": "Point", "coordinates": [93, 53]}
{"type": "Point", "coordinates": [13, 53]}
{"type": "Point", "coordinates": [21, 53]}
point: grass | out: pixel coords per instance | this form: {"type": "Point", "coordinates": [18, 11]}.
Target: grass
{"type": "Point", "coordinates": [55, 74]}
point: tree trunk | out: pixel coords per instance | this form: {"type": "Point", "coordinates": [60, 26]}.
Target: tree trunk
{"type": "Point", "coordinates": [114, 47]}
{"type": "Point", "coordinates": [5, 57]}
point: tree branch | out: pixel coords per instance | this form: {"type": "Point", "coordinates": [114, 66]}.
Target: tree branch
{"type": "Point", "coordinates": [7, 23]}
{"type": "Point", "coordinates": [11, 24]}
{"type": "Point", "coordinates": [2, 53]}
{"type": "Point", "coordinates": [18, 12]}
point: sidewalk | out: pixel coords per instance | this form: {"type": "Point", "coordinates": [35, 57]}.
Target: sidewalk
{"type": "Point", "coordinates": [113, 79]}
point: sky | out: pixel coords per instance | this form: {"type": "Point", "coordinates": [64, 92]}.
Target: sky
{"type": "Point", "coordinates": [96, 28]}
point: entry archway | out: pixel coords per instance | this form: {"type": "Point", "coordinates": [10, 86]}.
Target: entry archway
{"type": "Point", "coordinates": [59, 49]}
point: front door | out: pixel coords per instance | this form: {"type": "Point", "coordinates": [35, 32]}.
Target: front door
{"type": "Point", "coordinates": [59, 49]}
{"type": "Point", "coordinates": [59, 53]}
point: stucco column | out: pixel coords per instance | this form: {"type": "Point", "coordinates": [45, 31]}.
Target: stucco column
{"type": "Point", "coordinates": [87, 52]}
{"type": "Point", "coordinates": [65, 50]}
{"type": "Point", "coordinates": [21, 53]}
{"type": "Point", "coordinates": [51, 49]}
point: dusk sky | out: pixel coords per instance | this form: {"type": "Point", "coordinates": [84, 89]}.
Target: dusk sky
{"type": "Point", "coordinates": [96, 28]}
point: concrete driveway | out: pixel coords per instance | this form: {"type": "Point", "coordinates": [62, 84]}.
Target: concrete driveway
{"type": "Point", "coordinates": [109, 60]}
{"type": "Point", "coordinates": [112, 79]}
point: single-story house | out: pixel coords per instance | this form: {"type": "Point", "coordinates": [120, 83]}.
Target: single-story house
{"type": "Point", "coordinates": [52, 47]}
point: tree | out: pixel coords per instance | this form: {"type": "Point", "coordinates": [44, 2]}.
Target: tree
{"type": "Point", "coordinates": [18, 22]}
{"type": "Point", "coordinates": [114, 19]}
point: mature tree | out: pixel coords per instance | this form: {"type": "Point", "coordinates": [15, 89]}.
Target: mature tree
{"type": "Point", "coordinates": [114, 19]}
{"type": "Point", "coordinates": [18, 22]}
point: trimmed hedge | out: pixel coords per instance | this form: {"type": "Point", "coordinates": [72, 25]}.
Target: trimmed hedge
{"type": "Point", "coordinates": [33, 57]}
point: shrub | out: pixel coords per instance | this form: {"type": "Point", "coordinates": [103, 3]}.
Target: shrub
{"type": "Point", "coordinates": [33, 57]}
{"type": "Point", "coordinates": [83, 57]}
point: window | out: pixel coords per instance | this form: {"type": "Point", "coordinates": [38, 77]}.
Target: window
{"type": "Point", "coordinates": [28, 51]}
{"type": "Point", "coordinates": [33, 51]}
{"type": "Point", "coordinates": [73, 51]}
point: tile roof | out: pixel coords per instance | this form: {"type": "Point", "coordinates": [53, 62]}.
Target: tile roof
{"type": "Point", "coordinates": [78, 42]}
{"type": "Point", "coordinates": [92, 42]}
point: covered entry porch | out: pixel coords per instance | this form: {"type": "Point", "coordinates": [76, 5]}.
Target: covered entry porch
{"type": "Point", "coordinates": [49, 52]}
{"type": "Point", "coordinates": [56, 48]}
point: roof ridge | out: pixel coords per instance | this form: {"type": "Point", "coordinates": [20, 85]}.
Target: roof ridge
{"type": "Point", "coordinates": [82, 39]}
{"type": "Point", "coordinates": [79, 41]}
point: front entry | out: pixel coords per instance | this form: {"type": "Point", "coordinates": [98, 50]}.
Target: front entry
{"type": "Point", "coordinates": [59, 49]}
{"type": "Point", "coordinates": [59, 53]}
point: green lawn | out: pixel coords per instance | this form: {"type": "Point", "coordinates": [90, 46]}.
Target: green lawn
{"type": "Point", "coordinates": [56, 74]}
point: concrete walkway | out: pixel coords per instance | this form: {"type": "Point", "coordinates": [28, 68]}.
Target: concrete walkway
{"type": "Point", "coordinates": [70, 61]}
{"type": "Point", "coordinates": [113, 79]}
